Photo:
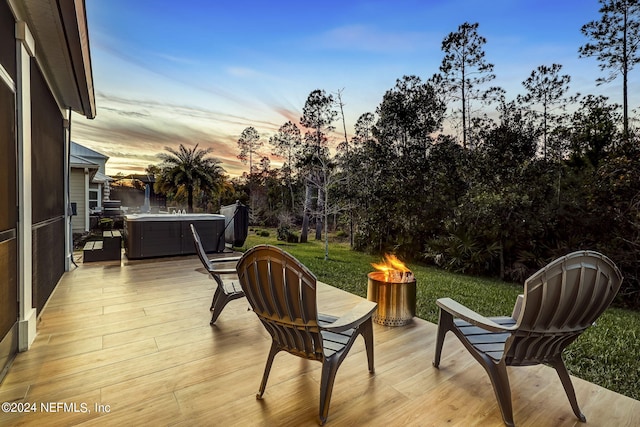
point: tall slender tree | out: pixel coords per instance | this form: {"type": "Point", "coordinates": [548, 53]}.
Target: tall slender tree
{"type": "Point", "coordinates": [464, 68]}
{"type": "Point", "coordinates": [364, 128]}
{"type": "Point", "coordinates": [287, 142]}
{"type": "Point", "coordinates": [546, 88]}
{"type": "Point", "coordinates": [616, 44]}
{"type": "Point", "coordinates": [350, 161]}
{"type": "Point", "coordinates": [318, 115]}
{"type": "Point", "coordinates": [346, 152]}
{"type": "Point", "coordinates": [326, 180]}
{"type": "Point", "coordinates": [249, 144]}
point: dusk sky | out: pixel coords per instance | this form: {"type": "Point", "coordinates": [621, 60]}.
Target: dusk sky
{"type": "Point", "coordinates": [200, 71]}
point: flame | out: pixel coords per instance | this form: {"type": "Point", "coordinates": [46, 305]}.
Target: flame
{"type": "Point", "coordinates": [390, 265]}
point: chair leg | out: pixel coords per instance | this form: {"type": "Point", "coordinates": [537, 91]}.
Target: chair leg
{"type": "Point", "coordinates": [561, 369]}
{"type": "Point", "coordinates": [366, 329]}
{"type": "Point", "coordinates": [329, 370]}
{"type": "Point", "coordinates": [500, 381]}
{"type": "Point", "coordinates": [445, 324]}
{"type": "Point", "coordinates": [215, 297]}
{"type": "Point", "coordinates": [220, 299]}
{"type": "Point", "coordinates": [272, 354]}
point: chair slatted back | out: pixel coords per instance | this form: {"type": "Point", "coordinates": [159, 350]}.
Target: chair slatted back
{"type": "Point", "coordinates": [560, 302]}
{"type": "Point", "coordinates": [282, 292]}
{"type": "Point", "coordinates": [200, 249]}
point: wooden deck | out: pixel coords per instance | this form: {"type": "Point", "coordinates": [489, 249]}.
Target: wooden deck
{"type": "Point", "coordinates": [130, 344]}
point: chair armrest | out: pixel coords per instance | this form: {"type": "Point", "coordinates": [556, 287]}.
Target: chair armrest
{"type": "Point", "coordinates": [223, 271]}
{"type": "Point", "coordinates": [227, 259]}
{"type": "Point", "coordinates": [517, 308]}
{"type": "Point", "coordinates": [353, 318]}
{"type": "Point", "coordinates": [466, 314]}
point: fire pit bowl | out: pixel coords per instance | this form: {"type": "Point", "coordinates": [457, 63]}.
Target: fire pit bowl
{"type": "Point", "coordinates": [396, 300]}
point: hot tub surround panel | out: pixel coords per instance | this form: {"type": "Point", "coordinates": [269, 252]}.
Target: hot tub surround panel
{"type": "Point", "coordinates": [157, 235]}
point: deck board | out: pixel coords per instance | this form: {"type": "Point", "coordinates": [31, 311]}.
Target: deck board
{"type": "Point", "coordinates": [135, 336]}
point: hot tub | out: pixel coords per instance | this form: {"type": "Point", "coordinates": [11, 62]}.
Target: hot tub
{"type": "Point", "coordinates": [157, 235]}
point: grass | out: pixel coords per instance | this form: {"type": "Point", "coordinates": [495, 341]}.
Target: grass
{"type": "Point", "coordinates": [607, 354]}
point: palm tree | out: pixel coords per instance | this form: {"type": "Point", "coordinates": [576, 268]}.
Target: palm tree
{"type": "Point", "coordinates": [185, 170]}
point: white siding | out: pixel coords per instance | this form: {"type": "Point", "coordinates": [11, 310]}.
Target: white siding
{"type": "Point", "coordinates": [78, 196]}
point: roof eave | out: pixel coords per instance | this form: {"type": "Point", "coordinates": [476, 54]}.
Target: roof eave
{"type": "Point", "coordinates": [60, 31]}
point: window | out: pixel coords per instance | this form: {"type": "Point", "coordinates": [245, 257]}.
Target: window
{"type": "Point", "coordinates": [94, 196]}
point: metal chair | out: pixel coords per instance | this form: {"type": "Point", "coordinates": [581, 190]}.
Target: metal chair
{"type": "Point", "coordinates": [227, 290]}
{"type": "Point", "coordinates": [560, 301]}
{"type": "Point", "coordinates": [282, 292]}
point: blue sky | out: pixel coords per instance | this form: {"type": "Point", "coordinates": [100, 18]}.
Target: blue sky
{"type": "Point", "coordinates": [199, 71]}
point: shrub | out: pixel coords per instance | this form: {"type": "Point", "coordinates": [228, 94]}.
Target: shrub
{"type": "Point", "coordinates": [263, 233]}
{"type": "Point", "coordinates": [282, 232]}
{"type": "Point", "coordinates": [286, 235]}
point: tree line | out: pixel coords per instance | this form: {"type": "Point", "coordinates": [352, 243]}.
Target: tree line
{"type": "Point", "coordinates": [514, 184]}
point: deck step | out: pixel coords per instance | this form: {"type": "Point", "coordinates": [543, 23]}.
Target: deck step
{"type": "Point", "coordinates": [93, 246]}
{"type": "Point", "coordinates": [112, 245]}
{"type": "Point", "coordinates": [92, 251]}
{"type": "Point", "coordinates": [108, 249]}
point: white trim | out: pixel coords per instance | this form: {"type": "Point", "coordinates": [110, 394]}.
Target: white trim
{"type": "Point", "coordinates": [5, 77]}
{"type": "Point", "coordinates": [97, 188]}
{"type": "Point", "coordinates": [86, 199]}
{"type": "Point", "coordinates": [68, 232]}
{"type": "Point", "coordinates": [23, 35]}
{"type": "Point", "coordinates": [27, 315]}
{"type": "Point", "coordinates": [27, 328]}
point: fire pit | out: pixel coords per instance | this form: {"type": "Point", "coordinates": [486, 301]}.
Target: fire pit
{"type": "Point", "coordinates": [393, 287]}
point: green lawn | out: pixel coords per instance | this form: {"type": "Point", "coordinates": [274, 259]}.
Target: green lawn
{"type": "Point", "coordinates": [607, 354]}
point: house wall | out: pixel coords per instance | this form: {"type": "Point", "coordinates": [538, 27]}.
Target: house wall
{"type": "Point", "coordinates": [45, 73]}
{"type": "Point", "coordinates": [41, 123]}
{"type": "Point", "coordinates": [77, 191]}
